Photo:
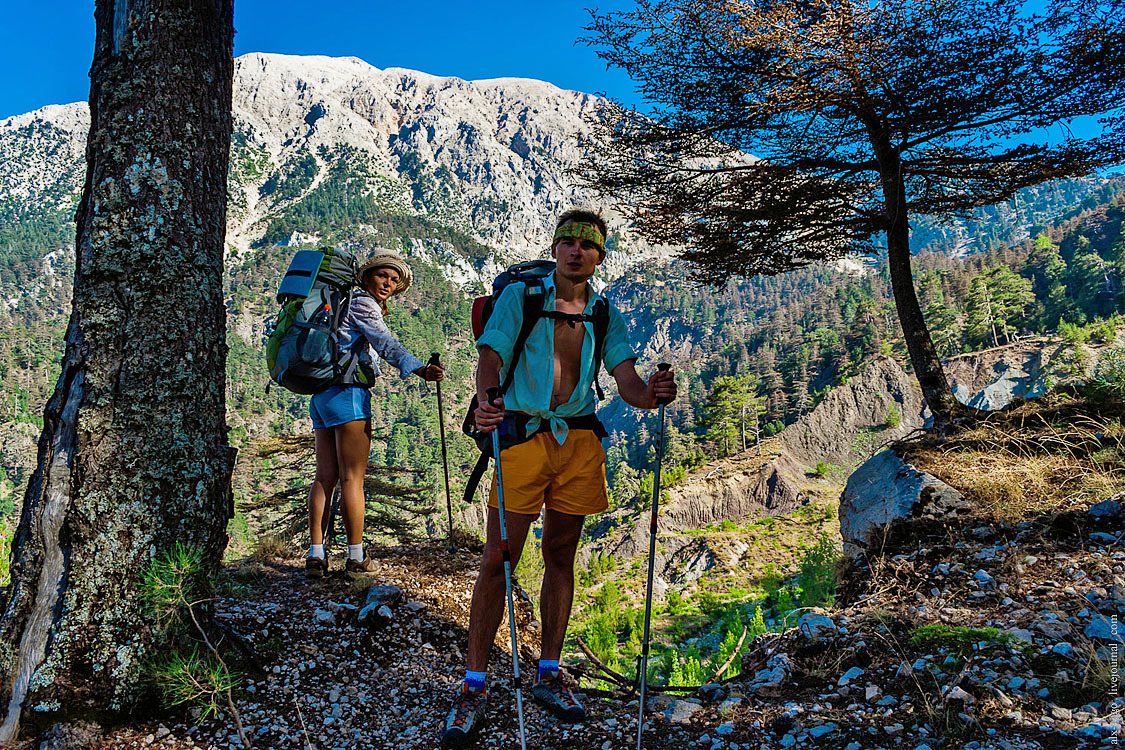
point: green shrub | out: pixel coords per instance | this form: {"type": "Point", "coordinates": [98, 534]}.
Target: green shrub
{"type": "Point", "coordinates": [600, 635]}
{"type": "Point", "coordinates": [644, 491]}
{"type": "Point", "coordinates": [707, 602]}
{"type": "Point", "coordinates": [173, 582]}
{"type": "Point", "coordinates": [1074, 334]}
{"type": "Point", "coordinates": [6, 535]}
{"type": "Point", "coordinates": [757, 624]}
{"type": "Point", "coordinates": [817, 579]}
{"type": "Point", "coordinates": [894, 416]}
{"type": "Point", "coordinates": [197, 679]}
{"type": "Point", "coordinates": [672, 477]}
{"type": "Point", "coordinates": [170, 589]}
{"type": "Point", "coordinates": [600, 564]}
{"type": "Point", "coordinates": [1109, 373]}
{"type": "Point", "coordinates": [823, 469]}
{"type": "Point", "coordinates": [1104, 332]}
{"type": "Point", "coordinates": [958, 639]}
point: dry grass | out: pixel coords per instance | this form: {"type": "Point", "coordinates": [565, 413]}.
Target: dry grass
{"type": "Point", "coordinates": [1044, 456]}
{"type": "Point", "coordinates": [1098, 675]}
{"type": "Point", "coordinates": [467, 539]}
{"type": "Point", "coordinates": [270, 548]}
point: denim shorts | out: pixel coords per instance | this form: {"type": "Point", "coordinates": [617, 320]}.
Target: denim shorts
{"type": "Point", "coordinates": [338, 405]}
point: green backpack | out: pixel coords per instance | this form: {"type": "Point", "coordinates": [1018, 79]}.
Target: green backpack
{"type": "Point", "coordinates": [303, 347]}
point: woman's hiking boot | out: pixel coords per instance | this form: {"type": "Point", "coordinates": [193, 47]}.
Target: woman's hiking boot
{"type": "Point", "coordinates": [356, 569]}
{"type": "Point", "coordinates": [316, 567]}
{"type": "Point", "coordinates": [465, 717]}
{"type": "Point", "coordinates": [558, 699]}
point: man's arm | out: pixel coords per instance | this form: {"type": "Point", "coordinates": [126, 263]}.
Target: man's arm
{"type": "Point", "coordinates": [488, 416]}
{"type": "Point", "coordinates": [636, 392]}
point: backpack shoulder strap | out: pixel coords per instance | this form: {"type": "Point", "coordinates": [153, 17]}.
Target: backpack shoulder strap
{"type": "Point", "coordinates": [534, 296]}
{"type": "Point", "coordinates": [475, 477]}
{"type": "Point", "coordinates": [601, 329]}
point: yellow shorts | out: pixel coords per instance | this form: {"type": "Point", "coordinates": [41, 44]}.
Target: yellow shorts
{"type": "Point", "coordinates": [569, 478]}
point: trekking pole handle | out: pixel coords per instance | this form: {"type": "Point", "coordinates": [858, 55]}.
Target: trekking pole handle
{"type": "Point", "coordinates": [435, 359]}
{"type": "Point", "coordinates": [663, 367]}
{"type": "Point", "coordinates": [493, 393]}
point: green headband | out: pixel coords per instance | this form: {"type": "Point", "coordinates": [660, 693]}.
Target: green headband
{"type": "Point", "coordinates": [582, 231]}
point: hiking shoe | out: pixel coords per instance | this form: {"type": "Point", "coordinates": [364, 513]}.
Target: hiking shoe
{"type": "Point", "coordinates": [356, 569]}
{"type": "Point", "coordinates": [558, 699]}
{"type": "Point", "coordinates": [465, 718]}
{"type": "Point", "coordinates": [316, 567]}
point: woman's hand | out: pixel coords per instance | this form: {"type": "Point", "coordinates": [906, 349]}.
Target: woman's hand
{"type": "Point", "coordinates": [432, 373]}
{"type": "Point", "coordinates": [488, 416]}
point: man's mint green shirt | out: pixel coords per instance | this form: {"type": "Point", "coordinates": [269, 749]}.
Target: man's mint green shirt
{"type": "Point", "coordinates": [535, 370]}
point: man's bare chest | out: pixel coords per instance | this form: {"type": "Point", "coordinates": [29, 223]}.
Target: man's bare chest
{"type": "Point", "coordinates": [568, 342]}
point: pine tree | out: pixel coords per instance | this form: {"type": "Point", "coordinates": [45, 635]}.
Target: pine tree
{"type": "Point", "coordinates": [733, 410]}
{"type": "Point", "coordinates": [981, 321]}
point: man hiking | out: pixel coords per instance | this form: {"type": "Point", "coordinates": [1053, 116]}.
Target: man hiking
{"type": "Point", "coordinates": [561, 464]}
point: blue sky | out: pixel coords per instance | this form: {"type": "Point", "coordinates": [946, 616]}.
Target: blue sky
{"type": "Point", "coordinates": [46, 54]}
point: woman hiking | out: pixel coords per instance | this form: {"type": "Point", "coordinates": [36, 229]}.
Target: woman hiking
{"type": "Point", "coordinates": [341, 415]}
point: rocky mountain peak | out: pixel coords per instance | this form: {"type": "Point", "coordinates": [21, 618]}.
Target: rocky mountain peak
{"type": "Point", "coordinates": [490, 158]}
{"type": "Point", "coordinates": [487, 159]}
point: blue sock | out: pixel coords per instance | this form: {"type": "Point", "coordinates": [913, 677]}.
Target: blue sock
{"type": "Point", "coordinates": [475, 680]}
{"type": "Point", "coordinates": [548, 668]}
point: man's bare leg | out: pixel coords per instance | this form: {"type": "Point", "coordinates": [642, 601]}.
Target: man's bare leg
{"type": "Point", "coordinates": [560, 542]}
{"type": "Point", "coordinates": [489, 595]}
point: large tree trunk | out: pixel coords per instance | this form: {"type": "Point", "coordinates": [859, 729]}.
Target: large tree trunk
{"type": "Point", "coordinates": [134, 454]}
{"type": "Point", "coordinates": [923, 355]}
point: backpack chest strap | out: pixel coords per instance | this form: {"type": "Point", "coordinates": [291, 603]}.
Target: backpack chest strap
{"type": "Point", "coordinates": [571, 318]}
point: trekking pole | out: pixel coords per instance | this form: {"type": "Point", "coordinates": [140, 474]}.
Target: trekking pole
{"type": "Point", "coordinates": [329, 533]}
{"type": "Point", "coordinates": [435, 359]}
{"type": "Point", "coordinates": [492, 395]}
{"type": "Point", "coordinates": [662, 367]}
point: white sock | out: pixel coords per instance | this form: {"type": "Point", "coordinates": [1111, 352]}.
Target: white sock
{"type": "Point", "coordinates": [355, 552]}
{"type": "Point", "coordinates": [316, 550]}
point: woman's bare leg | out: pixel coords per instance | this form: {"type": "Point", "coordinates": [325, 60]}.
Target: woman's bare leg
{"type": "Point", "coordinates": [353, 447]}
{"type": "Point", "coordinates": [320, 493]}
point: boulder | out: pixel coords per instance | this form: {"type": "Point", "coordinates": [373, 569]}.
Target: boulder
{"type": "Point", "coordinates": [78, 735]}
{"type": "Point", "coordinates": [712, 692]}
{"type": "Point", "coordinates": [886, 489]}
{"type": "Point", "coordinates": [1104, 629]}
{"type": "Point", "coordinates": [680, 712]}
{"type": "Point", "coordinates": [388, 595]}
{"type": "Point", "coordinates": [376, 610]}
{"type": "Point", "coordinates": [814, 626]}
{"type": "Point", "coordinates": [1106, 509]}
{"type": "Point", "coordinates": [993, 378]}
{"type": "Point", "coordinates": [768, 681]}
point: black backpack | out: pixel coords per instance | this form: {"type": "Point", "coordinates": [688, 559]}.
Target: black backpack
{"type": "Point", "coordinates": [513, 432]}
